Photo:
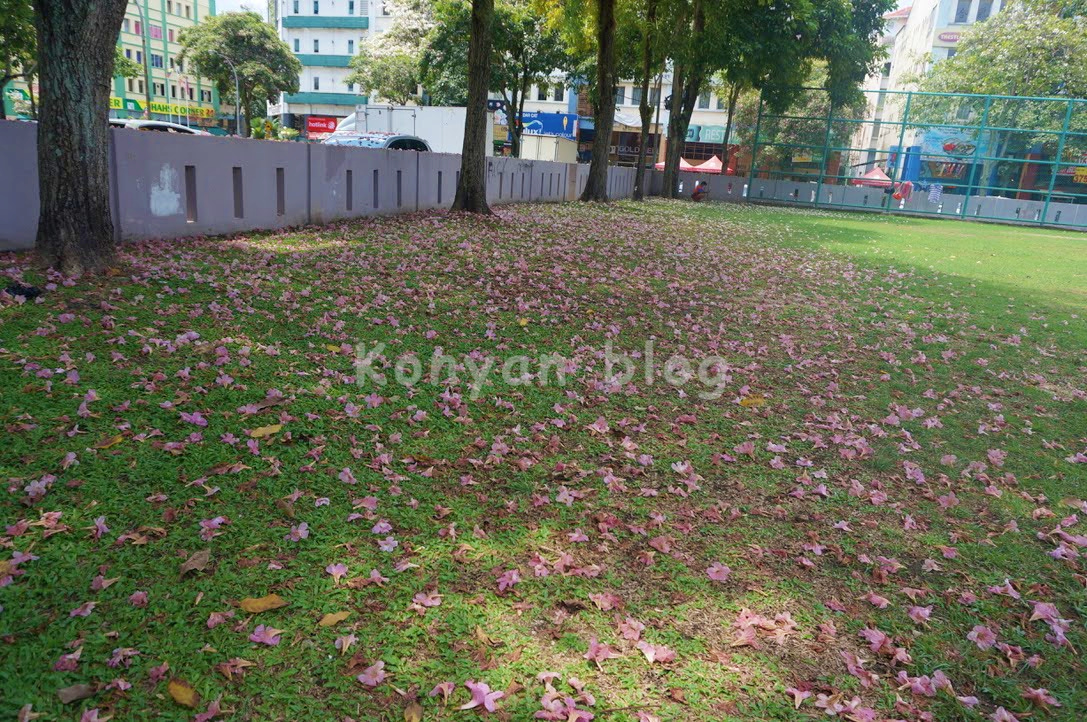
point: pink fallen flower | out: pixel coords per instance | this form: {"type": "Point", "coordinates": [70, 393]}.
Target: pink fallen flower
{"type": "Point", "coordinates": [507, 579]}
{"type": "Point", "coordinates": [599, 652]}
{"type": "Point", "coordinates": [982, 636]}
{"type": "Point", "coordinates": [138, 599]}
{"type": "Point", "coordinates": [444, 689]}
{"type": "Point", "coordinates": [388, 544]}
{"type": "Point", "coordinates": [373, 675]}
{"type": "Point", "coordinates": [265, 635]}
{"type": "Point", "coordinates": [298, 533]}
{"type": "Point", "coordinates": [631, 629]}
{"type": "Point", "coordinates": [338, 571]}
{"type": "Point", "coordinates": [83, 609]}
{"type": "Point", "coordinates": [482, 696]}
{"type": "Point", "coordinates": [718, 572]}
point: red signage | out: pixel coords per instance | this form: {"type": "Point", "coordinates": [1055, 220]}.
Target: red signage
{"type": "Point", "coordinates": [320, 124]}
{"type": "Point", "coordinates": [949, 37]}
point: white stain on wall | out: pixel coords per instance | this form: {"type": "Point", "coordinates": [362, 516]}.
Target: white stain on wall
{"type": "Point", "coordinates": [165, 193]}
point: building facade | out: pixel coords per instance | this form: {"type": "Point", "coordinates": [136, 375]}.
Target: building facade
{"type": "Point", "coordinates": [166, 88]}
{"type": "Point", "coordinates": [324, 35]}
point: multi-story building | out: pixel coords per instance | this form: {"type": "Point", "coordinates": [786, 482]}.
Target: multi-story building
{"type": "Point", "coordinates": [166, 88]}
{"type": "Point", "coordinates": [915, 38]}
{"type": "Point", "coordinates": [325, 35]}
{"type": "Point", "coordinates": [705, 135]}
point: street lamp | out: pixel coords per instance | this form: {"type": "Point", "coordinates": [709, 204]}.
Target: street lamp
{"type": "Point", "coordinates": [237, 95]}
{"type": "Point", "coordinates": [145, 33]}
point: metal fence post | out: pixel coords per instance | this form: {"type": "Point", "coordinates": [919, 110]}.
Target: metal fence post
{"type": "Point", "coordinates": [901, 157]}
{"type": "Point", "coordinates": [977, 153]}
{"type": "Point", "coordinates": [826, 150]}
{"type": "Point", "coordinates": [1056, 162]}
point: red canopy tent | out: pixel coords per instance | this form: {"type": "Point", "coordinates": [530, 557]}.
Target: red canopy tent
{"type": "Point", "coordinates": [713, 165]}
{"type": "Point", "coordinates": [683, 165]}
{"type": "Point", "coordinates": [875, 178]}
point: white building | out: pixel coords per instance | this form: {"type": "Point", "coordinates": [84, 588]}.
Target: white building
{"type": "Point", "coordinates": [915, 38]}
{"type": "Point", "coordinates": [325, 35]}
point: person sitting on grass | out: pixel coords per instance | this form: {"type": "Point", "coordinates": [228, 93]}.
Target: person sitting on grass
{"type": "Point", "coordinates": [701, 190]}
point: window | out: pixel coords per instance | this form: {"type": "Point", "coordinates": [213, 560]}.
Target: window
{"type": "Point", "coordinates": [297, 45]}
{"type": "Point", "coordinates": [541, 93]}
{"type": "Point", "coordinates": [139, 84]}
{"type": "Point", "coordinates": [655, 97]}
{"type": "Point", "coordinates": [170, 35]}
{"type": "Point", "coordinates": [984, 8]}
{"type": "Point", "coordinates": [704, 101]}
{"type": "Point", "coordinates": [316, 7]}
{"type": "Point", "coordinates": [316, 45]}
{"type": "Point", "coordinates": [350, 47]}
{"type": "Point", "coordinates": [130, 85]}
{"type": "Point", "coordinates": [636, 95]}
{"type": "Point", "coordinates": [205, 96]}
{"type": "Point", "coordinates": [350, 7]}
{"type": "Point", "coordinates": [385, 9]}
{"type": "Point", "coordinates": [139, 57]}
{"type": "Point", "coordinates": [156, 32]}
{"type": "Point", "coordinates": [126, 26]}
{"type": "Point", "coordinates": [159, 89]}
{"type": "Point", "coordinates": [886, 70]}
{"type": "Point", "coordinates": [350, 87]}
{"type": "Point", "coordinates": [720, 102]}
{"type": "Point", "coordinates": [188, 11]}
{"type": "Point", "coordinates": [156, 61]}
{"type": "Point", "coordinates": [559, 92]}
{"type": "Point", "coordinates": [169, 6]}
{"type": "Point", "coordinates": [190, 93]}
{"type": "Point", "coordinates": [962, 11]}
{"type": "Point", "coordinates": [316, 83]}
{"type": "Point", "coordinates": [181, 66]}
{"type": "Point", "coordinates": [951, 52]}
{"type": "Point", "coordinates": [173, 91]}
{"type": "Point", "coordinates": [295, 7]}
{"type": "Point", "coordinates": [172, 64]}
{"type": "Point", "coordinates": [139, 28]}
{"type": "Point", "coordinates": [128, 53]}
{"type": "Point", "coordinates": [620, 94]}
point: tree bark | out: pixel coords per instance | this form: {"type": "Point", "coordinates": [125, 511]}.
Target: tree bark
{"type": "Point", "coordinates": [596, 187]}
{"type": "Point", "coordinates": [472, 186]}
{"type": "Point", "coordinates": [675, 138]}
{"type": "Point", "coordinates": [644, 111]}
{"type": "Point", "coordinates": [733, 96]}
{"type": "Point", "coordinates": [76, 40]}
{"type": "Point", "coordinates": [683, 103]}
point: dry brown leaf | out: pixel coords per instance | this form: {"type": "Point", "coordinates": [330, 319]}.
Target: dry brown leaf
{"type": "Point", "coordinates": [197, 562]}
{"type": "Point", "coordinates": [413, 712]}
{"type": "Point", "coordinates": [262, 431]}
{"type": "Point", "coordinates": [335, 618]}
{"type": "Point", "coordinates": [182, 693]}
{"type": "Point", "coordinates": [109, 441]}
{"type": "Point", "coordinates": [75, 693]}
{"type": "Point", "coordinates": [27, 713]}
{"type": "Point", "coordinates": [484, 638]}
{"type": "Point", "coordinates": [263, 604]}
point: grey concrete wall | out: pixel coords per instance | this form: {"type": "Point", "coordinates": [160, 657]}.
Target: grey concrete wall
{"type": "Point", "coordinates": [18, 185]}
{"type": "Point", "coordinates": [168, 186]}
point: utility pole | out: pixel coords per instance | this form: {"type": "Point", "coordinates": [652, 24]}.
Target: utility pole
{"type": "Point", "coordinates": [145, 34]}
{"type": "Point", "coordinates": [237, 96]}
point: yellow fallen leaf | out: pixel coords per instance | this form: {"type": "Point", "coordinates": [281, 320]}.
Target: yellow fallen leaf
{"type": "Point", "coordinates": [183, 694]}
{"type": "Point", "coordinates": [333, 349]}
{"type": "Point", "coordinates": [522, 322]}
{"type": "Point", "coordinates": [110, 441]}
{"type": "Point", "coordinates": [413, 712]}
{"type": "Point", "coordinates": [262, 431]}
{"type": "Point", "coordinates": [334, 618]}
{"type": "Point", "coordinates": [749, 402]}
{"type": "Point", "coordinates": [263, 604]}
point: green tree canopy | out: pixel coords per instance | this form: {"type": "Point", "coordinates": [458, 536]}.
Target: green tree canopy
{"type": "Point", "coordinates": [265, 64]}
{"type": "Point", "coordinates": [18, 41]}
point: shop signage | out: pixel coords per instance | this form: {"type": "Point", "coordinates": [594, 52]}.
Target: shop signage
{"type": "Point", "coordinates": [321, 124]}
{"type": "Point", "coordinates": [949, 37]}
{"type": "Point", "coordinates": [134, 106]}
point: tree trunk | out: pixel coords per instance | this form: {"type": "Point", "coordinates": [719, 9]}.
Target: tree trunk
{"type": "Point", "coordinates": [644, 111]}
{"type": "Point", "coordinates": [733, 96]}
{"type": "Point", "coordinates": [76, 40]}
{"type": "Point", "coordinates": [245, 103]}
{"type": "Point", "coordinates": [472, 186]}
{"type": "Point", "coordinates": [596, 187]}
{"type": "Point", "coordinates": [520, 102]}
{"type": "Point", "coordinates": [683, 103]}
{"type": "Point", "coordinates": [675, 138]}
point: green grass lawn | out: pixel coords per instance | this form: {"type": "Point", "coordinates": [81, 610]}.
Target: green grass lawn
{"type": "Point", "coordinates": [870, 506]}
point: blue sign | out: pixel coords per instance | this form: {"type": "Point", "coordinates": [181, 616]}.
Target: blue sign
{"type": "Point", "coordinates": [562, 125]}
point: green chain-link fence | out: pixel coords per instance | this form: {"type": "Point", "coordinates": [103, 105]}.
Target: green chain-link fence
{"type": "Point", "coordinates": [1019, 159]}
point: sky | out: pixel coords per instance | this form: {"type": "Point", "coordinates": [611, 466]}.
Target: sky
{"type": "Point", "coordinates": [232, 6]}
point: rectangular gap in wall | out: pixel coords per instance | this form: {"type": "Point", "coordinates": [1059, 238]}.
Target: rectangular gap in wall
{"type": "Point", "coordinates": [190, 194]}
{"type": "Point", "coordinates": [377, 192]}
{"type": "Point", "coordinates": [399, 189]}
{"type": "Point", "coordinates": [281, 193]}
{"type": "Point", "coordinates": [550, 184]}
{"type": "Point", "coordinates": [439, 187]}
{"type": "Point", "coordinates": [523, 184]}
{"type": "Point", "coordinates": [350, 191]}
{"type": "Point", "coordinates": [501, 182]}
{"type": "Point", "coordinates": [239, 204]}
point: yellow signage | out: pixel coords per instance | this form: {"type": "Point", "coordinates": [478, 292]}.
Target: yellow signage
{"type": "Point", "coordinates": [135, 106]}
{"type": "Point", "coordinates": [1080, 175]}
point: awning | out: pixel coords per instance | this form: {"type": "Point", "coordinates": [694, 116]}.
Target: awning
{"type": "Point", "coordinates": [875, 178]}
{"type": "Point", "coordinates": [713, 165]}
{"type": "Point", "coordinates": [683, 165]}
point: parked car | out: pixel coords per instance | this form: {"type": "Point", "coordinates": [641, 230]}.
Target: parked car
{"type": "Point", "coordinates": [392, 141]}
{"type": "Point", "coordinates": [160, 126]}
